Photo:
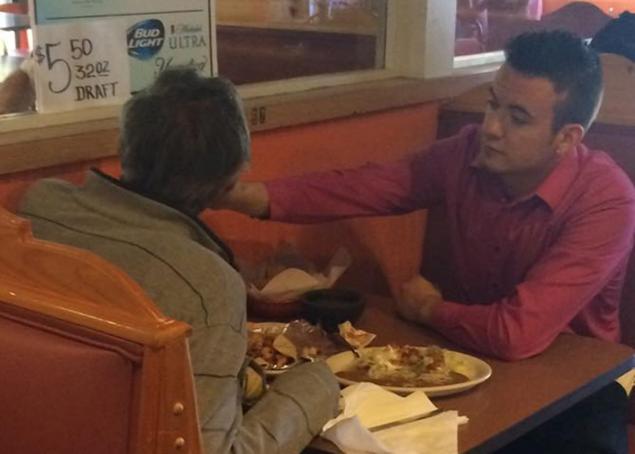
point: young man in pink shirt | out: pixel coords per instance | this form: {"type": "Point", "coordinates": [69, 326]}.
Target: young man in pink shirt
{"type": "Point", "coordinates": [541, 227]}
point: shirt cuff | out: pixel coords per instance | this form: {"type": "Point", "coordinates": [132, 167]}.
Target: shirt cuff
{"type": "Point", "coordinates": [276, 192]}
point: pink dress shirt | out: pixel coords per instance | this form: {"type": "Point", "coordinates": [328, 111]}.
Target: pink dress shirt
{"type": "Point", "coordinates": [525, 270]}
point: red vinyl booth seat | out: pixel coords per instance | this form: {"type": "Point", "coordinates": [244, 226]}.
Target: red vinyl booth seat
{"type": "Point", "coordinates": [64, 389]}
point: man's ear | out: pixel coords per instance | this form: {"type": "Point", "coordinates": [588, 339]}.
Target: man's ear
{"type": "Point", "coordinates": [569, 136]}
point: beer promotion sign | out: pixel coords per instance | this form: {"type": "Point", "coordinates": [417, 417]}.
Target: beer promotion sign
{"type": "Point", "coordinates": [81, 65]}
{"type": "Point", "coordinates": [94, 52]}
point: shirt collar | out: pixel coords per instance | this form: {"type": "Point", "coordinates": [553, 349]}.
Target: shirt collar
{"type": "Point", "coordinates": [554, 187]}
{"type": "Point", "coordinates": [97, 180]}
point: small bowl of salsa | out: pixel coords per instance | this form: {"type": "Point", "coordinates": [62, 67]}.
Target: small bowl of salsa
{"type": "Point", "coordinates": [330, 307]}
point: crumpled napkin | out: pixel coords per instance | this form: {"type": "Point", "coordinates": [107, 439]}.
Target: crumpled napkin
{"type": "Point", "coordinates": [292, 282]}
{"type": "Point", "coordinates": [367, 405]}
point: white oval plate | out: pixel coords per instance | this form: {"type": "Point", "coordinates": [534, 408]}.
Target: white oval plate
{"type": "Point", "coordinates": [473, 368]}
{"type": "Point", "coordinates": [274, 328]}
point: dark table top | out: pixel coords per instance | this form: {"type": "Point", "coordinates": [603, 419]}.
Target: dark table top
{"type": "Point", "coordinates": [520, 395]}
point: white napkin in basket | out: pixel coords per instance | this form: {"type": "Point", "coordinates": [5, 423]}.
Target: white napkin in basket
{"type": "Point", "coordinates": [368, 405]}
{"type": "Point", "coordinates": [292, 282]}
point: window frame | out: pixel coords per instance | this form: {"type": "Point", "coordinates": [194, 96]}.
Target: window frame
{"type": "Point", "coordinates": [404, 41]}
{"type": "Point", "coordinates": [481, 59]}
{"type": "Point", "coordinates": [419, 43]}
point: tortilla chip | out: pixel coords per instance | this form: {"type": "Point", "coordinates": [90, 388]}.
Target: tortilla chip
{"type": "Point", "coordinates": [356, 338]}
{"type": "Point", "coordinates": [282, 344]}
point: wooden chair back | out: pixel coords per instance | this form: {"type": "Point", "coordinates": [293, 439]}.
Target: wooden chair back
{"type": "Point", "coordinates": [79, 319]}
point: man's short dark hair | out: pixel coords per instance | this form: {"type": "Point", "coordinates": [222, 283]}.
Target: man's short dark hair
{"type": "Point", "coordinates": [572, 67]}
{"type": "Point", "coordinates": [183, 138]}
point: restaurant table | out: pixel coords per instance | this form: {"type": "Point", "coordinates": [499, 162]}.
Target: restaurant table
{"type": "Point", "coordinates": [519, 395]}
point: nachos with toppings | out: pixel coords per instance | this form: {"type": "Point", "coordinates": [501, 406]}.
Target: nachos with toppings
{"type": "Point", "coordinates": [403, 366]}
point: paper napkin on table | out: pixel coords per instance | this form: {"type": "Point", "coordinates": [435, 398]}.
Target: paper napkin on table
{"type": "Point", "coordinates": [292, 282]}
{"type": "Point", "coordinates": [368, 405]}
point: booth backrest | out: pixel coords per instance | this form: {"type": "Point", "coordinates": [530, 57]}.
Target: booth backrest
{"type": "Point", "coordinates": [619, 142]}
{"type": "Point", "coordinates": [63, 390]}
{"type": "Point", "coordinates": [88, 363]}
{"type": "Point", "coordinates": [614, 132]}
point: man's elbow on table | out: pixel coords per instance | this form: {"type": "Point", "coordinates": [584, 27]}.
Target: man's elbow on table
{"type": "Point", "coordinates": [493, 330]}
{"type": "Point", "coordinates": [510, 346]}
{"type": "Point", "coordinates": [489, 334]}
{"type": "Point", "coordinates": [514, 353]}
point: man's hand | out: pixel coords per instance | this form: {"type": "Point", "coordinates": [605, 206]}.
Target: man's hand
{"type": "Point", "coordinates": [417, 299]}
{"type": "Point", "coordinates": [250, 198]}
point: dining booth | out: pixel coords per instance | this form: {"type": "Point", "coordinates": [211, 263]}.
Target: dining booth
{"type": "Point", "coordinates": [381, 259]}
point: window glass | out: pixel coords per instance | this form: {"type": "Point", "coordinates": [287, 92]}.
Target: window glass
{"type": "Point", "coordinates": [14, 34]}
{"type": "Point", "coordinates": [486, 25]}
{"type": "Point", "coordinates": [15, 46]}
{"type": "Point", "coordinates": [264, 40]}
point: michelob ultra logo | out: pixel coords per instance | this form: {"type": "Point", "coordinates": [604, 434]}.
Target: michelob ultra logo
{"type": "Point", "coordinates": [145, 38]}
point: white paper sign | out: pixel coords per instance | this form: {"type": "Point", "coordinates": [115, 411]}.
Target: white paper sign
{"type": "Point", "coordinates": [81, 64]}
{"type": "Point", "coordinates": [159, 33]}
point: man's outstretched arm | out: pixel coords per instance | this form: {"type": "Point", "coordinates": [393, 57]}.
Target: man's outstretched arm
{"type": "Point", "coordinates": [250, 198]}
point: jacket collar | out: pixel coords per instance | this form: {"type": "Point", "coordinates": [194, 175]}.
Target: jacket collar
{"type": "Point", "coordinates": [558, 182]}
{"type": "Point", "coordinates": [102, 183]}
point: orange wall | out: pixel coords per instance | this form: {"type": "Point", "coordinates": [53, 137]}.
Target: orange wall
{"type": "Point", "coordinates": [383, 249]}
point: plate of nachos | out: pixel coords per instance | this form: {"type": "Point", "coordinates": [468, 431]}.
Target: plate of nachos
{"type": "Point", "coordinates": [405, 369]}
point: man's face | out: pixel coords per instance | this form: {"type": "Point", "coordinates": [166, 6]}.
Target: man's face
{"type": "Point", "coordinates": [517, 136]}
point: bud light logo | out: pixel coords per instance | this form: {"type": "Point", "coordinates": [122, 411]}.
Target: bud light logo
{"type": "Point", "coordinates": [145, 39]}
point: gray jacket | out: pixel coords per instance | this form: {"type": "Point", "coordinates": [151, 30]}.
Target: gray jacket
{"type": "Point", "coordinates": [181, 267]}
